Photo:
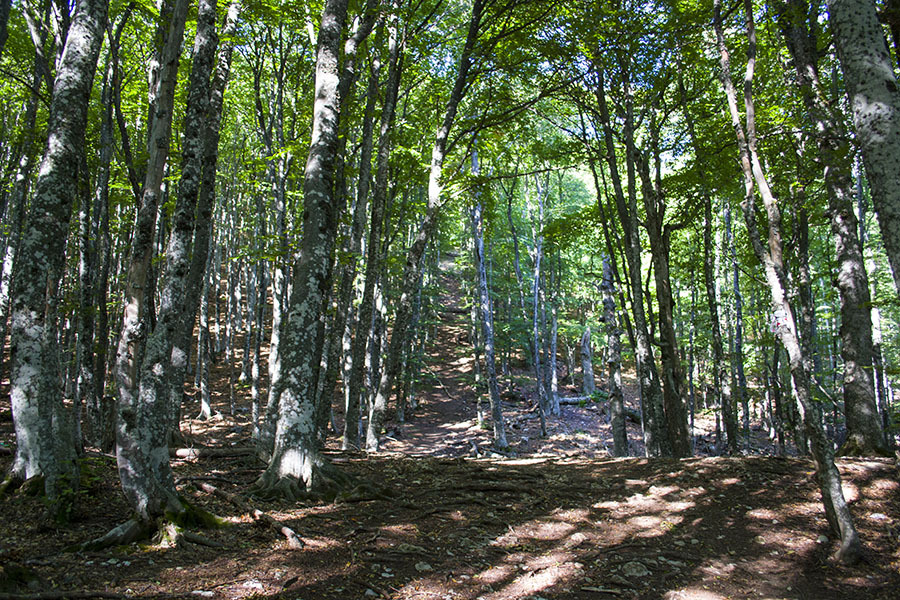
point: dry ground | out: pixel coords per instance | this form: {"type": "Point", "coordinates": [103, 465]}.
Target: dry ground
{"type": "Point", "coordinates": [559, 520]}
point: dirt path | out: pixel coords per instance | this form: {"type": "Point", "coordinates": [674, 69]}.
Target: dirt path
{"type": "Point", "coordinates": [559, 521]}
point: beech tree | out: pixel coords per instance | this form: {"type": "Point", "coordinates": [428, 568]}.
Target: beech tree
{"type": "Point", "coordinates": [44, 428]}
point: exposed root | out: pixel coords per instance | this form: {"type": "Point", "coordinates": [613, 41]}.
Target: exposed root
{"type": "Point", "coordinates": [126, 533]}
{"type": "Point", "coordinates": [259, 516]}
{"type": "Point", "coordinates": [327, 484]}
{"type": "Point", "coordinates": [855, 446]}
{"type": "Point", "coordinates": [170, 531]}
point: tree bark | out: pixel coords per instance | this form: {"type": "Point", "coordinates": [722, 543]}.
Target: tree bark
{"type": "Point", "coordinates": [296, 465]}
{"type": "Point", "coordinates": [416, 251]}
{"type": "Point", "coordinates": [487, 319]}
{"type": "Point", "coordinates": [865, 435]}
{"type": "Point", "coordinates": [875, 101]}
{"type": "Point", "coordinates": [656, 439]}
{"type": "Point", "coordinates": [39, 416]}
{"type": "Point", "coordinates": [614, 362]}
{"type": "Point", "coordinates": [145, 420]}
{"type": "Point", "coordinates": [587, 368]}
{"type": "Point", "coordinates": [138, 289]}
{"type": "Point", "coordinates": [836, 509]}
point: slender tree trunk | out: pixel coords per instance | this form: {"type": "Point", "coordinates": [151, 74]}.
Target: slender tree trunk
{"type": "Point", "coordinates": [416, 251]}
{"type": "Point", "coordinates": [614, 363]}
{"type": "Point", "coordinates": [875, 102]}
{"type": "Point", "coordinates": [138, 289]}
{"type": "Point", "coordinates": [865, 434]}
{"type": "Point", "coordinates": [487, 319]}
{"type": "Point", "coordinates": [587, 369]}
{"type": "Point", "coordinates": [836, 508]}
{"type": "Point", "coordinates": [146, 420]}
{"type": "Point", "coordinates": [42, 448]}
{"type": "Point", "coordinates": [656, 439]}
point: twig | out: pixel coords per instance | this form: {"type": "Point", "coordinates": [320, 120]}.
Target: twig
{"type": "Point", "coordinates": [440, 383]}
{"type": "Point", "coordinates": [293, 540]}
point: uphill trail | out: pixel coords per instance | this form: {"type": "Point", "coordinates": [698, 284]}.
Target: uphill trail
{"type": "Point", "coordinates": [558, 520]}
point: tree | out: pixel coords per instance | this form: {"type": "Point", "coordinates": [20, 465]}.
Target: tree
{"type": "Point", "coordinates": [45, 447]}
{"type": "Point", "coordinates": [833, 149]}
{"type": "Point", "coordinates": [772, 259]}
{"type": "Point", "coordinates": [875, 103]}
{"type": "Point", "coordinates": [295, 467]}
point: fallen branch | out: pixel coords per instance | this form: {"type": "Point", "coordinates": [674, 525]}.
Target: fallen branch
{"type": "Point", "coordinates": [440, 383]}
{"type": "Point", "coordinates": [293, 540]}
{"type": "Point", "coordinates": [195, 453]}
{"type": "Point", "coordinates": [575, 400]}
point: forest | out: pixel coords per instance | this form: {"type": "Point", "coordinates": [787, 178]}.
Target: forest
{"type": "Point", "coordinates": [449, 298]}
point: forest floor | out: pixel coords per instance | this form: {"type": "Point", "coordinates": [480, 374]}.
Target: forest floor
{"type": "Point", "coordinates": [558, 519]}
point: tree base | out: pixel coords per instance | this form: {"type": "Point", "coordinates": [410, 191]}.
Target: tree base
{"type": "Point", "coordinates": [854, 447]}
{"type": "Point", "coordinates": [327, 484]}
{"type": "Point", "coordinates": [172, 530]}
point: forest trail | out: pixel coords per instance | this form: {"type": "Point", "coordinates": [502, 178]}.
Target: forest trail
{"type": "Point", "coordinates": [445, 422]}
{"type": "Point", "coordinates": [559, 521]}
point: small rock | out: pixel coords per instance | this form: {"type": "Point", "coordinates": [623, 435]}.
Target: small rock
{"type": "Point", "coordinates": [694, 541]}
{"type": "Point", "coordinates": [635, 569]}
{"type": "Point", "coordinates": [822, 539]}
{"type": "Point", "coordinates": [421, 567]}
{"type": "Point", "coordinates": [371, 593]}
{"type": "Point", "coordinates": [878, 517]}
{"type": "Point", "coordinates": [679, 543]}
{"type": "Point", "coordinates": [386, 574]}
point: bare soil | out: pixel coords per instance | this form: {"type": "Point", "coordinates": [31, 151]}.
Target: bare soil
{"type": "Point", "coordinates": [557, 518]}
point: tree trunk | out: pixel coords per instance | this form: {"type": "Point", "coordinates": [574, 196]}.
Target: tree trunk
{"type": "Point", "coordinates": [656, 439]}
{"type": "Point", "coordinates": [875, 101]}
{"type": "Point", "coordinates": [614, 362]}
{"type": "Point", "coordinates": [865, 435]}
{"type": "Point", "coordinates": [487, 319]}
{"type": "Point", "coordinates": [138, 289]}
{"type": "Point", "coordinates": [587, 368]}
{"type": "Point", "coordinates": [416, 251]}
{"type": "Point", "coordinates": [146, 420]}
{"type": "Point", "coordinates": [39, 416]}
{"type": "Point", "coordinates": [836, 509]}
{"type": "Point", "coordinates": [296, 465]}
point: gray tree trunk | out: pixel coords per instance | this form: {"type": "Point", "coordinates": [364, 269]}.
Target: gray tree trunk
{"type": "Point", "coordinates": [40, 419]}
{"type": "Point", "coordinates": [487, 320]}
{"type": "Point", "coordinates": [145, 421]}
{"type": "Point", "coordinates": [656, 439]}
{"type": "Point", "coordinates": [163, 73]}
{"type": "Point", "coordinates": [416, 251]}
{"type": "Point", "coordinates": [295, 465]}
{"type": "Point", "coordinates": [587, 367]}
{"type": "Point", "coordinates": [875, 102]}
{"type": "Point", "coordinates": [613, 362]}
{"type": "Point", "coordinates": [195, 283]}
{"type": "Point", "coordinates": [836, 509]}
{"type": "Point", "coordinates": [865, 435]}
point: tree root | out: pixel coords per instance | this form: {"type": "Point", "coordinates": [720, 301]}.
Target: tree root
{"type": "Point", "coordinates": [327, 484]}
{"type": "Point", "coordinates": [168, 531]}
{"type": "Point", "coordinates": [259, 516]}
